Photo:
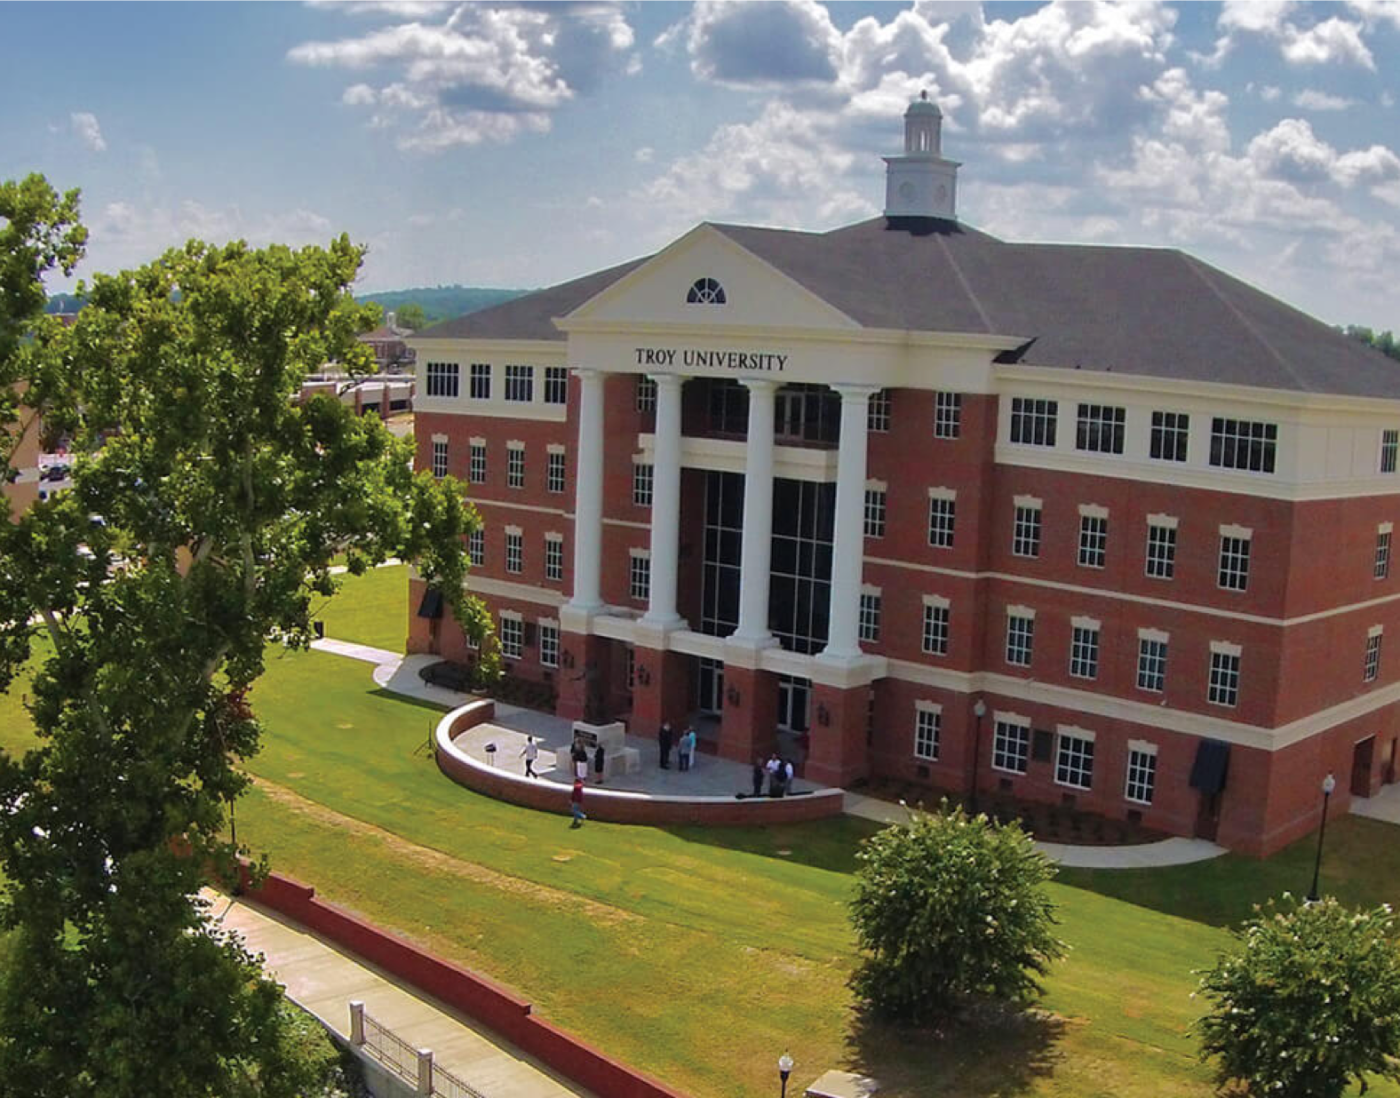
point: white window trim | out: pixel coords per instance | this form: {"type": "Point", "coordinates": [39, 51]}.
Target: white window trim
{"type": "Point", "coordinates": [439, 438]}
{"type": "Point", "coordinates": [950, 494]}
{"type": "Point", "coordinates": [1086, 623]}
{"type": "Point", "coordinates": [1375, 631]}
{"type": "Point", "coordinates": [1169, 521]}
{"type": "Point", "coordinates": [555, 448]}
{"type": "Point", "coordinates": [516, 530]}
{"type": "Point", "coordinates": [1020, 722]}
{"type": "Point", "coordinates": [1158, 636]}
{"type": "Point", "coordinates": [921, 705]}
{"type": "Point", "coordinates": [1020, 612]}
{"type": "Point", "coordinates": [1385, 528]}
{"type": "Point", "coordinates": [1226, 648]}
{"type": "Point", "coordinates": [939, 601]}
{"type": "Point", "coordinates": [1242, 533]}
{"type": "Point", "coordinates": [1034, 503]}
{"type": "Point", "coordinates": [1141, 747]}
{"type": "Point", "coordinates": [1075, 733]}
{"type": "Point", "coordinates": [476, 440]}
{"type": "Point", "coordinates": [877, 486]}
{"type": "Point", "coordinates": [1093, 510]}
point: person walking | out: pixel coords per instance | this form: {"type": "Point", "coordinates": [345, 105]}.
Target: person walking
{"type": "Point", "coordinates": [530, 752]}
{"type": "Point", "coordinates": [788, 775]}
{"type": "Point", "coordinates": [775, 778]}
{"type": "Point", "coordinates": [576, 803]}
{"type": "Point", "coordinates": [579, 754]}
{"type": "Point", "coordinates": [687, 746]}
{"type": "Point", "coordinates": [759, 771]}
{"type": "Point", "coordinates": [664, 739]}
{"type": "Point", "coordinates": [599, 759]}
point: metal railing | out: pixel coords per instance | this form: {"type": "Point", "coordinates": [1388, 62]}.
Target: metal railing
{"type": "Point", "coordinates": [414, 1065]}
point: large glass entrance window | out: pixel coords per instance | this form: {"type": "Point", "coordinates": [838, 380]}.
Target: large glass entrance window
{"type": "Point", "coordinates": [807, 413]}
{"type": "Point", "coordinates": [724, 541]}
{"type": "Point", "coordinates": [728, 407]}
{"type": "Point", "coordinates": [710, 688]}
{"type": "Point", "coordinates": [794, 703]}
{"type": "Point", "coordinates": [799, 600]}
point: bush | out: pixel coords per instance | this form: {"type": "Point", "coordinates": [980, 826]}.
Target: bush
{"type": "Point", "coordinates": [950, 912]}
{"type": "Point", "coordinates": [1307, 1001]}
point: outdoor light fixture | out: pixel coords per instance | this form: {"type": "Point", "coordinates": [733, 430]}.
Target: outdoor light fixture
{"type": "Point", "coordinates": [784, 1070]}
{"type": "Point", "coordinates": [979, 710]}
{"type": "Point", "coordinates": [823, 715]}
{"type": "Point", "coordinates": [1329, 783]}
{"type": "Point", "coordinates": [732, 695]}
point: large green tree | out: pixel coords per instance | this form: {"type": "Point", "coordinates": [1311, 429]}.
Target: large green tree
{"type": "Point", "coordinates": [1306, 1001]}
{"type": "Point", "coordinates": [950, 912]}
{"type": "Point", "coordinates": [205, 511]}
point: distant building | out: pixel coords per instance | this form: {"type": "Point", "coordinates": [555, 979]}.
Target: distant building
{"type": "Point", "coordinates": [1102, 527]}
{"type": "Point", "coordinates": [392, 353]}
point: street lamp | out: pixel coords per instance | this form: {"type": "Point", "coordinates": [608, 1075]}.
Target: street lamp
{"type": "Point", "coordinates": [979, 711]}
{"type": "Point", "coordinates": [784, 1070]}
{"type": "Point", "coordinates": [1329, 783]}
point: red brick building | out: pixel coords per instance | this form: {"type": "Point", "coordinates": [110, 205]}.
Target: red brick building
{"type": "Point", "coordinates": [1097, 526]}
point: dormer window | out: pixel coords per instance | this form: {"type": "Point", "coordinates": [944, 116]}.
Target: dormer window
{"type": "Point", "coordinates": [706, 291]}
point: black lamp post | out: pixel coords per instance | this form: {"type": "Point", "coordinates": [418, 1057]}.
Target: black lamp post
{"type": "Point", "coordinates": [979, 711]}
{"type": "Point", "coordinates": [784, 1070]}
{"type": "Point", "coordinates": [1329, 783]}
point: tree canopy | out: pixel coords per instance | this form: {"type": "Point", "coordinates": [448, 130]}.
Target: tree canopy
{"type": "Point", "coordinates": [206, 507]}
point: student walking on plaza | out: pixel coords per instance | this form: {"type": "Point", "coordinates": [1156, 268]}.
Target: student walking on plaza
{"type": "Point", "coordinates": [579, 754]}
{"type": "Point", "coordinates": [759, 772]}
{"type": "Point", "coordinates": [530, 752]}
{"type": "Point", "coordinates": [687, 748]}
{"type": "Point", "coordinates": [664, 739]}
{"type": "Point", "coordinates": [576, 803]}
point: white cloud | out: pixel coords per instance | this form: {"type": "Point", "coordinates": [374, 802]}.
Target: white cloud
{"type": "Point", "coordinates": [1376, 12]}
{"type": "Point", "coordinates": [1309, 99]}
{"type": "Point", "coordinates": [644, 155]}
{"type": "Point", "coordinates": [1332, 40]}
{"type": "Point", "coordinates": [84, 124]}
{"type": "Point", "coordinates": [125, 234]}
{"type": "Point", "coordinates": [747, 45]}
{"type": "Point", "coordinates": [483, 73]}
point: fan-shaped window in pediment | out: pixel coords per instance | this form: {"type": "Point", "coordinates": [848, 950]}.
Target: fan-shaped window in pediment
{"type": "Point", "coordinates": [706, 291]}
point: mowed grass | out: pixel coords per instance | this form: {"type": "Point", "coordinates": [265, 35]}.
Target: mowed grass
{"type": "Point", "coordinates": [369, 609]}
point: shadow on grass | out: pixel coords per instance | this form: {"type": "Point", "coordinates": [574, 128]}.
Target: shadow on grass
{"type": "Point", "coordinates": [996, 1055]}
{"type": "Point", "coordinates": [404, 699]}
{"type": "Point", "coordinates": [821, 844]}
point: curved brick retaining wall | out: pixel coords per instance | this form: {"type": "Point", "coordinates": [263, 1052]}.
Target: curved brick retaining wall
{"type": "Point", "coordinates": [615, 805]}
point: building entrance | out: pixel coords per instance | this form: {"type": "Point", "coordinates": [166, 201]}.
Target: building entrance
{"type": "Point", "coordinates": [1362, 756]}
{"type": "Point", "coordinates": [794, 704]}
{"type": "Point", "coordinates": [709, 692]}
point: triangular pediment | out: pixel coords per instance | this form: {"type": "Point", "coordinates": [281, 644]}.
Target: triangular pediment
{"type": "Point", "coordinates": [756, 294]}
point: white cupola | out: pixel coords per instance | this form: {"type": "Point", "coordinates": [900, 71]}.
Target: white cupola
{"type": "Point", "coordinates": [921, 183]}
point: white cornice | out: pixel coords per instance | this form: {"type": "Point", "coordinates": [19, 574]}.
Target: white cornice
{"type": "Point", "coordinates": [712, 332]}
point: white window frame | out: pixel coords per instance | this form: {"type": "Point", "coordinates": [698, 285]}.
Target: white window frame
{"type": "Point", "coordinates": [515, 465]}
{"type": "Point", "coordinates": [947, 414]}
{"type": "Point", "coordinates": [555, 468]}
{"type": "Point", "coordinates": [1026, 527]}
{"type": "Point", "coordinates": [1154, 646]}
{"type": "Point", "coordinates": [515, 550]}
{"type": "Point", "coordinates": [1034, 421]}
{"type": "Point", "coordinates": [480, 381]}
{"type": "Point", "coordinates": [1084, 648]}
{"type": "Point", "coordinates": [1371, 669]}
{"type": "Point", "coordinates": [1250, 446]}
{"type": "Point", "coordinates": [476, 546]}
{"type": "Point", "coordinates": [556, 385]}
{"type": "Point", "coordinates": [554, 557]}
{"type": "Point", "coordinates": [1011, 743]}
{"type": "Point", "coordinates": [476, 464]}
{"type": "Point", "coordinates": [643, 483]}
{"type": "Point", "coordinates": [1390, 450]}
{"type": "Point", "coordinates": [443, 379]}
{"type": "Point", "coordinates": [1171, 436]}
{"type": "Point", "coordinates": [1223, 680]}
{"type": "Point", "coordinates": [549, 642]}
{"type": "Point", "coordinates": [928, 730]}
{"type": "Point", "coordinates": [439, 460]}
{"type": "Point", "coordinates": [870, 605]}
{"type": "Point", "coordinates": [877, 412]}
{"type": "Point", "coordinates": [639, 575]}
{"type": "Point", "coordinates": [1093, 537]}
{"type": "Point", "coordinates": [1233, 571]}
{"type": "Point", "coordinates": [1140, 775]}
{"type": "Point", "coordinates": [1074, 764]}
{"type": "Point", "coordinates": [942, 517]}
{"type": "Point", "coordinates": [512, 635]}
{"type": "Point", "coordinates": [1020, 636]}
{"type": "Point", "coordinates": [520, 383]}
{"type": "Point", "coordinates": [875, 508]}
{"type": "Point", "coordinates": [1159, 560]}
{"type": "Point", "coordinates": [1380, 569]}
{"type": "Point", "coordinates": [1100, 429]}
{"type": "Point", "coordinates": [936, 625]}
{"type": "Point", "coordinates": [646, 393]}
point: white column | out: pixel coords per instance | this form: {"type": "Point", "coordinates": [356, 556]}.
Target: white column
{"type": "Point", "coordinates": [755, 561]}
{"type": "Point", "coordinates": [588, 493]}
{"type": "Point", "coordinates": [843, 636]}
{"type": "Point", "coordinates": [665, 503]}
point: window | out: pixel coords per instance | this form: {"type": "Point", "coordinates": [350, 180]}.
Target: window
{"type": "Point", "coordinates": [1373, 656]}
{"type": "Point", "coordinates": [476, 470]}
{"type": "Point", "coordinates": [942, 518]}
{"type": "Point", "coordinates": [935, 633]}
{"type": "Point", "coordinates": [1020, 635]}
{"type": "Point", "coordinates": [1142, 772]}
{"type": "Point", "coordinates": [1100, 429]}
{"type": "Point", "coordinates": [512, 635]}
{"type": "Point", "coordinates": [646, 394]}
{"type": "Point", "coordinates": [1074, 759]}
{"type": "Point", "coordinates": [947, 415]}
{"type": "Point", "coordinates": [1170, 431]}
{"type": "Point", "coordinates": [549, 643]}
{"type": "Point", "coordinates": [1011, 746]}
{"type": "Point", "coordinates": [1381, 568]}
{"type": "Point", "coordinates": [641, 483]}
{"type": "Point", "coordinates": [928, 723]}
{"type": "Point", "coordinates": [556, 385]}
{"type": "Point", "coordinates": [553, 557]}
{"type": "Point", "coordinates": [1025, 530]}
{"type": "Point", "coordinates": [1152, 661]}
{"type": "Point", "coordinates": [1093, 539]}
{"type": "Point", "coordinates": [439, 457]}
{"type": "Point", "coordinates": [515, 551]}
{"type": "Point", "coordinates": [1033, 421]}
{"type": "Point", "coordinates": [1242, 444]}
{"type": "Point", "coordinates": [520, 384]}
{"type": "Point", "coordinates": [443, 379]}
{"type": "Point", "coordinates": [870, 616]}
{"type": "Point", "coordinates": [1234, 558]}
{"type": "Point", "coordinates": [1161, 547]}
{"type": "Point", "coordinates": [705, 291]}
{"type": "Point", "coordinates": [874, 511]}
{"type": "Point", "coordinates": [1084, 649]}
{"type": "Point", "coordinates": [554, 471]}
{"type": "Point", "coordinates": [481, 381]}
{"type": "Point", "coordinates": [1224, 674]}
{"type": "Point", "coordinates": [1390, 445]}
{"type": "Point", "coordinates": [515, 466]}
{"type": "Point", "coordinates": [877, 412]}
{"type": "Point", "coordinates": [630, 655]}
{"type": "Point", "coordinates": [639, 576]}
{"type": "Point", "coordinates": [476, 547]}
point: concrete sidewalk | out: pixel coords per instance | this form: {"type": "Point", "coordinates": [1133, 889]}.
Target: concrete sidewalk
{"type": "Point", "coordinates": [324, 981]}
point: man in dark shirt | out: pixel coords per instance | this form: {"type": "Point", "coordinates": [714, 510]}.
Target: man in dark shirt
{"type": "Point", "coordinates": [663, 741]}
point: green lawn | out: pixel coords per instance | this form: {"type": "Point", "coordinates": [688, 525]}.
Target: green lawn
{"type": "Point", "coordinates": [700, 954]}
{"type": "Point", "coordinates": [370, 609]}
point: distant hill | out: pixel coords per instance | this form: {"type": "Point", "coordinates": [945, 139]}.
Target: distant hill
{"type": "Point", "coordinates": [442, 302]}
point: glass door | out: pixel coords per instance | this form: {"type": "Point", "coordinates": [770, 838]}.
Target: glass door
{"type": "Point", "coordinates": [794, 703]}
{"type": "Point", "coordinates": [710, 692]}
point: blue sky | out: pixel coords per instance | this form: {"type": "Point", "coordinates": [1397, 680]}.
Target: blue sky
{"type": "Point", "coordinates": [517, 145]}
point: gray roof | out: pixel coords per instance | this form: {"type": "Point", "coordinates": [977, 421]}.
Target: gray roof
{"type": "Point", "coordinates": [1151, 312]}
